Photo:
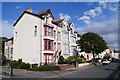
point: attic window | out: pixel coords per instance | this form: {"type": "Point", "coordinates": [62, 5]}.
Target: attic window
{"type": "Point", "coordinates": [16, 34]}
{"type": "Point", "coordinates": [35, 30]}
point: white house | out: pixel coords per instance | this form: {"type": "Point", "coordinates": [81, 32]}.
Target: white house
{"type": "Point", "coordinates": [40, 38]}
{"type": "Point", "coordinates": [8, 49]}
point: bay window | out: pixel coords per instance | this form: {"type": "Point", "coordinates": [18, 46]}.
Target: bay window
{"type": "Point", "coordinates": [48, 44]}
{"type": "Point", "coordinates": [48, 31]}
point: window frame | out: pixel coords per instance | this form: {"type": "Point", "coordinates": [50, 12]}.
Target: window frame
{"type": "Point", "coordinates": [35, 30]}
{"type": "Point", "coordinates": [48, 31]}
{"type": "Point", "coordinates": [48, 45]}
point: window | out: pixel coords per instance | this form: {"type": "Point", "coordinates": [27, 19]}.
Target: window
{"type": "Point", "coordinates": [66, 36]}
{"type": "Point", "coordinates": [35, 31]}
{"type": "Point", "coordinates": [66, 48]}
{"type": "Point", "coordinates": [48, 31]}
{"type": "Point", "coordinates": [54, 46]}
{"type": "Point", "coordinates": [59, 36]}
{"type": "Point", "coordinates": [48, 58]}
{"type": "Point", "coordinates": [11, 50]}
{"type": "Point", "coordinates": [16, 34]}
{"type": "Point", "coordinates": [48, 44]}
{"type": "Point", "coordinates": [54, 34]}
{"type": "Point", "coordinates": [59, 46]}
{"type": "Point", "coordinates": [6, 51]}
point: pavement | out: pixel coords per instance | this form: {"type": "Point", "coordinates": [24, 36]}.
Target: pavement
{"type": "Point", "coordinates": [105, 72]}
{"type": "Point", "coordinates": [22, 73]}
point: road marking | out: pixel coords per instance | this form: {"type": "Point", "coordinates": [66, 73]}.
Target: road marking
{"type": "Point", "coordinates": [70, 72]}
{"type": "Point", "coordinates": [116, 75]}
{"type": "Point", "coordinates": [62, 74]}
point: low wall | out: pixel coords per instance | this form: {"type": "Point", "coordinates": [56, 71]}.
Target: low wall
{"type": "Point", "coordinates": [83, 64]}
{"type": "Point", "coordinates": [62, 67]}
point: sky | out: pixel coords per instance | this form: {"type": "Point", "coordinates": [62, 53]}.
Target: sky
{"type": "Point", "coordinates": [99, 17]}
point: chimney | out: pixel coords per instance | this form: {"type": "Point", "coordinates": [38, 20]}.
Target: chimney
{"type": "Point", "coordinates": [29, 10]}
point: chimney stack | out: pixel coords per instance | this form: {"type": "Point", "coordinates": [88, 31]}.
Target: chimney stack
{"type": "Point", "coordinates": [29, 10]}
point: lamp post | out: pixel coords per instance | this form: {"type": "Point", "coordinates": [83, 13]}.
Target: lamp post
{"type": "Point", "coordinates": [93, 54]}
{"type": "Point", "coordinates": [76, 54]}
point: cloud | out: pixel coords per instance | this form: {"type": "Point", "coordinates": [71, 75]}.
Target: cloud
{"type": "Point", "coordinates": [66, 16]}
{"type": "Point", "coordinates": [7, 29]}
{"type": "Point", "coordinates": [85, 19]}
{"type": "Point", "coordinates": [6, 21]}
{"type": "Point", "coordinates": [98, 10]}
{"type": "Point", "coordinates": [18, 7]}
{"type": "Point", "coordinates": [103, 4]}
{"type": "Point", "coordinates": [108, 29]}
{"type": "Point", "coordinates": [90, 13]}
{"type": "Point", "coordinates": [112, 6]}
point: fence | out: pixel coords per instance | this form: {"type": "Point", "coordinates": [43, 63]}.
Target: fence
{"type": "Point", "coordinates": [7, 71]}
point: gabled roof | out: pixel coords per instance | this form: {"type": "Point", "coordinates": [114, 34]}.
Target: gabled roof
{"type": "Point", "coordinates": [10, 39]}
{"type": "Point", "coordinates": [58, 20]}
{"type": "Point", "coordinates": [27, 13]}
{"type": "Point", "coordinates": [70, 24]}
{"type": "Point", "coordinates": [45, 12]}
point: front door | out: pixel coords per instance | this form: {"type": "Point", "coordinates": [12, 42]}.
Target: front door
{"type": "Point", "coordinates": [48, 58]}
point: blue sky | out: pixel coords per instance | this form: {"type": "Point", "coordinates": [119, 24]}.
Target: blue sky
{"type": "Point", "coordinates": [99, 17]}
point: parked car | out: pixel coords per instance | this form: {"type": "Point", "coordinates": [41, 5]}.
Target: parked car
{"type": "Point", "coordinates": [105, 61]}
{"type": "Point", "coordinates": [114, 60]}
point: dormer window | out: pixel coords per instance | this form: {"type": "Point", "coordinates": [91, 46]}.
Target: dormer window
{"type": "Point", "coordinates": [48, 19]}
{"type": "Point", "coordinates": [35, 30]}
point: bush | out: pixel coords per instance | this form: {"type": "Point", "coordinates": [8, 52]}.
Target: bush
{"type": "Point", "coordinates": [24, 65]}
{"type": "Point", "coordinates": [14, 64]}
{"type": "Point", "coordinates": [44, 68]}
{"type": "Point", "coordinates": [96, 59]}
{"type": "Point", "coordinates": [72, 58]}
{"type": "Point", "coordinates": [61, 60]}
{"type": "Point", "coordinates": [19, 64]}
{"type": "Point", "coordinates": [81, 60]}
{"type": "Point", "coordinates": [106, 56]}
{"type": "Point", "coordinates": [84, 60]}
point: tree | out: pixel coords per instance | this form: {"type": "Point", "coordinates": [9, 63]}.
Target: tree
{"type": "Point", "coordinates": [106, 56]}
{"type": "Point", "coordinates": [92, 42]}
{"type": "Point", "coordinates": [61, 60]}
{"type": "Point", "coordinates": [2, 40]}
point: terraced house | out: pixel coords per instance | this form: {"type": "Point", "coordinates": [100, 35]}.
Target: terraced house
{"type": "Point", "coordinates": [40, 38]}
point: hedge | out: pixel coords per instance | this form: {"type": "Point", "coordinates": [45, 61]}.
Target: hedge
{"type": "Point", "coordinates": [19, 64]}
{"type": "Point", "coordinates": [24, 65]}
{"type": "Point", "coordinates": [45, 68]}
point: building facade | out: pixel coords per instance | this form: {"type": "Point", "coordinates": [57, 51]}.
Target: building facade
{"type": "Point", "coordinates": [8, 49]}
{"type": "Point", "coordinates": [40, 38]}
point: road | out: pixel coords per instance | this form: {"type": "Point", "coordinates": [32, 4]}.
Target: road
{"type": "Point", "coordinates": [99, 72]}
{"type": "Point", "coordinates": [108, 72]}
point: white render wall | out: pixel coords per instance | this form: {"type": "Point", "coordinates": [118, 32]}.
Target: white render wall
{"type": "Point", "coordinates": [8, 52]}
{"type": "Point", "coordinates": [26, 44]}
{"type": "Point", "coordinates": [30, 48]}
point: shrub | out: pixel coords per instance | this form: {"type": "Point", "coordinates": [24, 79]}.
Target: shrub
{"type": "Point", "coordinates": [96, 59]}
{"type": "Point", "coordinates": [19, 64]}
{"type": "Point", "coordinates": [106, 56]}
{"type": "Point", "coordinates": [81, 60]}
{"type": "Point", "coordinates": [66, 61]}
{"type": "Point", "coordinates": [84, 60]}
{"type": "Point", "coordinates": [61, 60]}
{"type": "Point", "coordinates": [71, 58]}
{"type": "Point", "coordinates": [14, 64]}
{"type": "Point", "coordinates": [24, 65]}
{"type": "Point", "coordinates": [45, 68]}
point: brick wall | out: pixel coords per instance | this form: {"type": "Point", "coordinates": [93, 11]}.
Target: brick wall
{"type": "Point", "coordinates": [62, 67]}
